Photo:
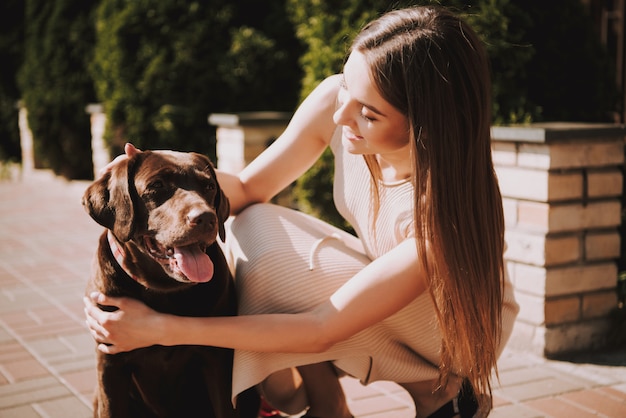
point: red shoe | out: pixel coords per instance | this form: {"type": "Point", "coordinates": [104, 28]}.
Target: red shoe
{"type": "Point", "coordinates": [267, 411]}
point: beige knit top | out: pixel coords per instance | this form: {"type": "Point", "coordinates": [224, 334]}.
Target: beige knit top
{"type": "Point", "coordinates": [286, 261]}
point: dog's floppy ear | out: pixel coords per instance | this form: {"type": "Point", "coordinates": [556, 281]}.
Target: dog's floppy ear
{"type": "Point", "coordinates": [222, 207]}
{"type": "Point", "coordinates": [109, 202]}
{"type": "Point", "coordinates": [220, 202]}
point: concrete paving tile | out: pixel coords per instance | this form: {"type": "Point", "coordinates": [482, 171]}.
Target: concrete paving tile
{"type": "Point", "coordinates": [24, 411]}
{"type": "Point", "coordinates": [516, 411]}
{"type": "Point", "coordinates": [70, 356]}
{"type": "Point", "coordinates": [498, 401]}
{"type": "Point", "coordinates": [76, 309]}
{"type": "Point", "coordinates": [49, 314]}
{"type": "Point", "coordinates": [510, 364]}
{"type": "Point", "coordinates": [73, 364]}
{"type": "Point", "coordinates": [378, 399]}
{"type": "Point", "coordinates": [64, 407]}
{"type": "Point", "coordinates": [538, 389]}
{"type": "Point", "coordinates": [17, 364]}
{"type": "Point", "coordinates": [67, 294]}
{"type": "Point", "coordinates": [37, 395]}
{"type": "Point", "coordinates": [48, 347]}
{"type": "Point", "coordinates": [46, 315]}
{"type": "Point", "coordinates": [560, 408]}
{"type": "Point", "coordinates": [610, 391]}
{"type": "Point", "coordinates": [20, 318]}
{"type": "Point", "coordinates": [28, 385]}
{"type": "Point", "coordinates": [82, 381]}
{"type": "Point", "coordinates": [598, 373]}
{"type": "Point", "coordinates": [600, 402]}
{"type": "Point", "coordinates": [5, 337]}
{"type": "Point", "coordinates": [379, 404]}
{"type": "Point", "coordinates": [37, 270]}
{"type": "Point", "coordinates": [24, 369]}
{"type": "Point", "coordinates": [7, 280]}
{"type": "Point", "coordinates": [59, 356]}
{"type": "Point", "coordinates": [44, 266]}
{"type": "Point", "coordinates": [357, 390]}
{"type": "Point", "coordinates": [389, 388]}
{"type": "Point", "coordinates": [80, 342]}
{"type": "Point", "coordinates": [620, 387]}
{"type": "Point", "coordinates": [20, 299]}
{"type": "Point", "coordinates": [387, 414]}
{"type": "Point", "coordinates": [22, 265]}
{"type": "Point", "coordinates": [48, 330]}
{"type": "Point", "coordinates": [523, 375]}
{"type": "Point", "coordinates": [12, 350]}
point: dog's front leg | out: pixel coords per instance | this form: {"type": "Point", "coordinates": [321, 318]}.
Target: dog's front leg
{"type": "Point", "coordinates": [113, 395]}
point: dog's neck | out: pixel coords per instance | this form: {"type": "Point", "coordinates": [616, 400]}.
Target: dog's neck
{"type": "Point", "coordinates": [118, 253]}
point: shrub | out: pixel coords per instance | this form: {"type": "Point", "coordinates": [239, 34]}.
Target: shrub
{"type": "Point", "coordinates": [55, 86]}
{"type": "Point", "coordinates": [161, 67]}
{"type": "Point", "coordinates": [570, 76]}
{"type": "Point", "coordinates": [11, 47]}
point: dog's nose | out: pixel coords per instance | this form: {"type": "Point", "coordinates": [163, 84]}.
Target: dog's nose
{"type": "Point", "coordinates": [199, 217]}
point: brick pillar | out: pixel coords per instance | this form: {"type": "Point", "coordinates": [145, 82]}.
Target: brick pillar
{"type": "Point", "coordinates": [562, 186]}
{"type": "Point", "coordinates": [26, 142]}
{"type": "Point", "coordinates": [243, 136]}
{"type": "Point", "coordinates": [100, 154]}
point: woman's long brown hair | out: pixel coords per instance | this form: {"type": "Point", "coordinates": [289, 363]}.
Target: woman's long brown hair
{"type": "Point", "coordinates": [430, 65]}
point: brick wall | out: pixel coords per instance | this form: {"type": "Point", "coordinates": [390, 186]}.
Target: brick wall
{"type": "Point", "coordinates": [562, 188]}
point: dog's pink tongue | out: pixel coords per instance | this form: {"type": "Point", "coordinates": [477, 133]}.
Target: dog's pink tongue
{"type": "Point", "coordinates": [193, 263]}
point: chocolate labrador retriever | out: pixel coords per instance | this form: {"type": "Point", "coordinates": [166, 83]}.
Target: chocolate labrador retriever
{"type": "Point", "coordinates": [163, 211]}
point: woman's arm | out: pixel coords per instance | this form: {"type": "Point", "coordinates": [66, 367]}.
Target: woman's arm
{"type": "Point", "coordinates": [382, 288]}
{"type": "Point", "coordinates": [294, 152]}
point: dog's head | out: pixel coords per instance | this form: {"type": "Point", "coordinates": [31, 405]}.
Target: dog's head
{"type": "Point", "coordinates": [166, 204]}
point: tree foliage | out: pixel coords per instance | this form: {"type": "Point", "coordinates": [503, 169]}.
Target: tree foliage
{"type": "Point", "coordinates": [162, 66]}
{"type": "Point", "coordinates": [55, 85]}
{"type": "Point", "coordinates": [11, 42]}
{"type": "Point", "coordinates": [569, 76]}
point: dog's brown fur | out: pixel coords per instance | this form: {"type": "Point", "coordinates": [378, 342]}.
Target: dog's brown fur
{"type": "Point", "coordinates": [153, 202]}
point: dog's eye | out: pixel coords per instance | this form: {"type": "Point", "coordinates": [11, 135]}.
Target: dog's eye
{"type": "Point", "coordinates": [157, 184]}
{"type": "Point", "coordinates": [210, 186]}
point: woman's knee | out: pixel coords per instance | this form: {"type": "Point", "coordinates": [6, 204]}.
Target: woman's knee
{"type": "Point", "coordinates": [284, 391]}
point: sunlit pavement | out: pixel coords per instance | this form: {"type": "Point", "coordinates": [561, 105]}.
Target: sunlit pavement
{"type": "Point", "coordinates": [47, 357]}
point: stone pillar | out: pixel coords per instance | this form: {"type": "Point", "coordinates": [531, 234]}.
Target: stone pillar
{"type": "Point", "coordinates": [99, 153]}
{"type": "Point", "coordinates": [243, 136]}
{"type": "Point", "coordinates": [562, 186]}
{"type": "Point", "coordinates": [26, 142]}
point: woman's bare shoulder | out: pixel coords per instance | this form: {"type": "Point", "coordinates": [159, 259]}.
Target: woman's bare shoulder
{"type": "Point", "coordinates": [314, 117]}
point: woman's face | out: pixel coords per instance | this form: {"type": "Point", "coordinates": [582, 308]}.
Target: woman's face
{"type": "Point", "coordinates": [371, 125]}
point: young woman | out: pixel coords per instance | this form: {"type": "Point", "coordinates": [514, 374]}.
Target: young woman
{"type": "Point", "coordinates": [421, 297]}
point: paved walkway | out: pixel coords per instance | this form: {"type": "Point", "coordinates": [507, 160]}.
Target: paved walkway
{"type": "Point", "coordinates": [47, 366]}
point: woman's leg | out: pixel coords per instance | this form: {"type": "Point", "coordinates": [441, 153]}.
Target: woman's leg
{"type": "Point", "coordinates": [315, 386]}
{"type": "Point", "coordinates": [284, 390]}
{"type": "Point", "coordinates": [456, 400]}
{"type": "Point", "coordinates": [426, 399]}
{"type": "Point", "coordinates": [324, 391]}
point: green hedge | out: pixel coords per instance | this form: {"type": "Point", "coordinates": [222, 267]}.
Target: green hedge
{"type": "Point", "coordinates": [162, 66]}
{"type": "Point", "coordinates": [11, 53]}
{"type": "Point", "coordinates": [159, 67]}
{"type": "Point", "coordinates": [55, 85]}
